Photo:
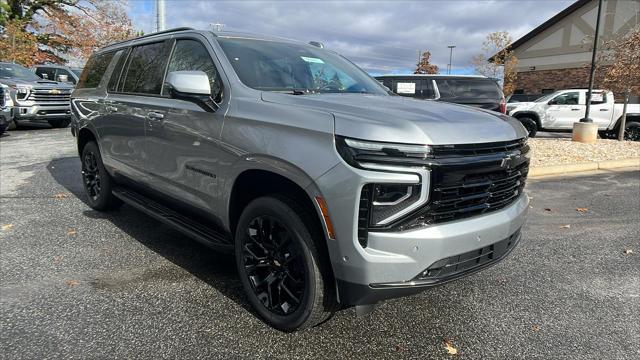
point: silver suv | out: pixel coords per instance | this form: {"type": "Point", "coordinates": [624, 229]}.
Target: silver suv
{"type": "Point", "coordinates": [328, 189]}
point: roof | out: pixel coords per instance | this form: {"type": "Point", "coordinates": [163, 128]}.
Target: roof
{"type": "Point", "coordinates": [549, 23]}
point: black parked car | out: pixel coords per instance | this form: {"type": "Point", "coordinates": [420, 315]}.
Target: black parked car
{"type": "Point", "coordinates": [473, 90]}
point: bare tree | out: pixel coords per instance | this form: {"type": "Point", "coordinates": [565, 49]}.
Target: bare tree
{"type": "Point", "coordinates": [621, 56]}
{"type": "Point", "coordinates": [424, 66]}
{"type": "Point", "coordinates": [497, 60]}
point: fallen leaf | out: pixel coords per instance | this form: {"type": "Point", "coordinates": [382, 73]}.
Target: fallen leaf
{"type": "Point", "coordinates": [547, 209]}
{"type": "Point", "coordinates": [60, 196]}
{"type": "Point", "coordinates": [399, 348]}
{"type": "Point", "coordinates": [449, 346]}
{"type": "Point", "coordinates": [72, 232]}
{"type": "Point", "coordinates": [582, 210]}
{"type": "Point", "coordinates": [57, 258]}
{"type": "Point", "coordinates": [628, 252]}
{"type": "Point", "coordinates": [72, 283]}
{"type": "Point", "coordinates": [7, 227]}
{"type": "Point", "coordinates": [565, 226]}
{"type": "Point", "coordinates": [535, 328]}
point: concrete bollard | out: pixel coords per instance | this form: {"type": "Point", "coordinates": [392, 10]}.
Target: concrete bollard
{"type": "Point", "coordinates": [585, 132]}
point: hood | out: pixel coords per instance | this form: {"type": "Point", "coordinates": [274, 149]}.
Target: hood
{"type": "Point", "coordinates": [405, 120]}
{"type": "Point", "coordinates": [40, 84]}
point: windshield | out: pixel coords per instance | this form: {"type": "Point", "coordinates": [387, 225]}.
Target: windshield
{"type": "Point", "coordinates": [278, 66]}
{"type": "Point", "coordinates": [78, 72]}
{"type": "Point", "coordinates": [547, 97]}
{"type": "Point", "coordinates": [14, 71]}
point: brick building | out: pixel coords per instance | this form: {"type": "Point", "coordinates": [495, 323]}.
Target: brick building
{"type": "Point", "coordinates": [557, 54]}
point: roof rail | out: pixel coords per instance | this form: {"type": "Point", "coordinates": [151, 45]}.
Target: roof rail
{"type": "Point", "coordinates": [151, 34]}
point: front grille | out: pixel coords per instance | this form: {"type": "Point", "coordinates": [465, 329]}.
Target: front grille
{"type": "Point", "coordinates": [469, 180]}
{"type": "Point", "coordinates": [44, 96]}
{"type": "Point", "coordinates": [458, 265]}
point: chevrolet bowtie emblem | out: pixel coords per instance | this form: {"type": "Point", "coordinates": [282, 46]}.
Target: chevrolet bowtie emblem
{"type": "Point", "coordinates": [510, 161]}
{"type": "Point", "coordinates": [54, 91]}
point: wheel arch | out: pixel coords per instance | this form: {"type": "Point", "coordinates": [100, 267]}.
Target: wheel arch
{"type": "Point", "coordinates": [84, 136]}
{"type": "Point", "coordinates": [529, 114]}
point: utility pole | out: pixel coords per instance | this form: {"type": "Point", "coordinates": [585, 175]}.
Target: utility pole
{"type": "Point", "coordinates": [160, 24]}
{"type": "Point", "coordinates": [451, 47]}
{"type": "Point", "coordinates": [593, 66]}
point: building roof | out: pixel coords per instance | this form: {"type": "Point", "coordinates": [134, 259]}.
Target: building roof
{"type": "Point", "coordinates": [549, 23]}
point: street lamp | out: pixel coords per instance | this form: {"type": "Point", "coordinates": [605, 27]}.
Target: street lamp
{"type": "Point", "coordinates": [450, 57]}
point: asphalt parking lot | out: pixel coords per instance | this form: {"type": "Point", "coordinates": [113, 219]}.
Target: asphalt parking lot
{"type": "Point", "coordinates": [76, 283]}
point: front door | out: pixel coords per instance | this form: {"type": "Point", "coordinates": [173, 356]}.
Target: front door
{"type": "Point", "coordinates": [182, 139]}
{"type": "Point", "coordinates": [564, 110]}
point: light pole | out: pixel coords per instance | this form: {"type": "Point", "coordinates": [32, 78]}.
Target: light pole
{"type": "Point", "coordinates": [450, 58]}
{"type": "Point", "coordinates": [593, 66]}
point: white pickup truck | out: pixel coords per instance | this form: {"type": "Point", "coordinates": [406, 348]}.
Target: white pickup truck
{"type": "Point", "coordinates": [559, 110]}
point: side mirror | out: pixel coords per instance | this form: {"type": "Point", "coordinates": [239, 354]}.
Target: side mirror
{"type": "Point", "coordinates": [552, 102]}
{"type": "Point", "coordinates": [191, 86]}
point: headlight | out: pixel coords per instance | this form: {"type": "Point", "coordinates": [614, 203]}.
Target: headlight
{"type": "Point", "coordinates": [22, 92]}
{"type": "Point", "coordinates": [358, 152]}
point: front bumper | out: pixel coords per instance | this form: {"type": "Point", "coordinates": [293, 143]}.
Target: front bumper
{"type": "Point", "coordinates": [38, 112]}
{"type": "Point", "coordinates": [390, 264]}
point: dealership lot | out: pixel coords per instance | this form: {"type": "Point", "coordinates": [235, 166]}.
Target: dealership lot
{"type": "Point", "coordinates": [78, 283]}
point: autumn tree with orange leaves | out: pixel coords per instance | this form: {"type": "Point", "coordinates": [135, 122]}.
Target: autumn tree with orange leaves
{"type": "Point", "coordinates": [425, 66]}
{"type": "Point", "coordinates": [56, 31]}
{"type": "Point", "coordinates": [620, 60]}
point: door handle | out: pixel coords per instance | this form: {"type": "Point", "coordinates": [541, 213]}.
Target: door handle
{"type": "Point", "coordinates": [604, 109]}
{"type": "Point", "coordinates": [110, 108]}
{"type": "Point", "coordinates": [152, 115]}
{"type": "Point", "coordinates": [575, 109]}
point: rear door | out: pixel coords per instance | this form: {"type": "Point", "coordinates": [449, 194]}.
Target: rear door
{"type": "Point", "coordinates": [182, 139]}
{"type": "Point", "coordinates": [601, 108]}
{"type": "Point", "coordinates": [133, 91]}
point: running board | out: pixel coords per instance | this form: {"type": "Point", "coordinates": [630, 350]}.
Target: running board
{"type": "Point", "coordinates": [195, 229]}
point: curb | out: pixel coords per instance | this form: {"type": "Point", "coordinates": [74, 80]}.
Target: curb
{"type": "Point", "coordinates": [582, 167]}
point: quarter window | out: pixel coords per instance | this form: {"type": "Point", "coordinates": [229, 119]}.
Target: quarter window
{"type": "Point", "coordinates": [94, 70]}
{"type": "Point", "coordinates": [191, 55]}
{"type": "Point", "coordinates": [145, 72]}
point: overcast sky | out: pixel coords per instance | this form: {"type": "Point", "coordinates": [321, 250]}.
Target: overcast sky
{"type": "Point", "coordinates": [380, 36]}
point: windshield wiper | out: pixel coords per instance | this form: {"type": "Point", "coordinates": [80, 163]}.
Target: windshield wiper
{"type": "Point", "coordinates": [302, 92]}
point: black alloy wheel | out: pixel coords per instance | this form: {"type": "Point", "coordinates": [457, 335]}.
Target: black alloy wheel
{"type": "Point", "coordinates": [632, 131]}
{"type": "Point", "coordinates": [274, 265]}
{"type": "Point", "coordinates": [91, 175]}
{"type": "Point", "coordinates": [96, 180]}
{"type": "Point", "coordinates": [285, 273]}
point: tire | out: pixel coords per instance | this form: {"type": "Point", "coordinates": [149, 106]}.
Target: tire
{"type": "Point", "coordinates": [530, 125]}
{"type": "Point", "coordinates": [59, 123]}
{"type": "Point", "coordinates": [278, 261]}
{"type": "Point", "coordinates": [632, 131]}
{"type": "Point", "coordinates": [97, 182]}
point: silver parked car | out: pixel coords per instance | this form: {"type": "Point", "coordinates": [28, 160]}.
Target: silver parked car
{"type": "Point", "coordinates": [36, 99]}
{"type": "Point", "coordinates": [6, 108]}
{"type": "Point", "coordinates": [327, 188]}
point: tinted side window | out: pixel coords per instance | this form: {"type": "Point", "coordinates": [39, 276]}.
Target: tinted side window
{"type": "Point", "coordinates": [49, 72]}
{"type": "Point", "coordinates": [145, 72]}
{"type": "Point", "coordinates": [468, 89]}
{"type": "Point", "coordinates": [191, 55]}
{"type": "Point", "coordinates": [117, 71]}
{"type": "Point", "coordinates": [570, 98]}
{"type": "Point", "coordinates": [94, 70]}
